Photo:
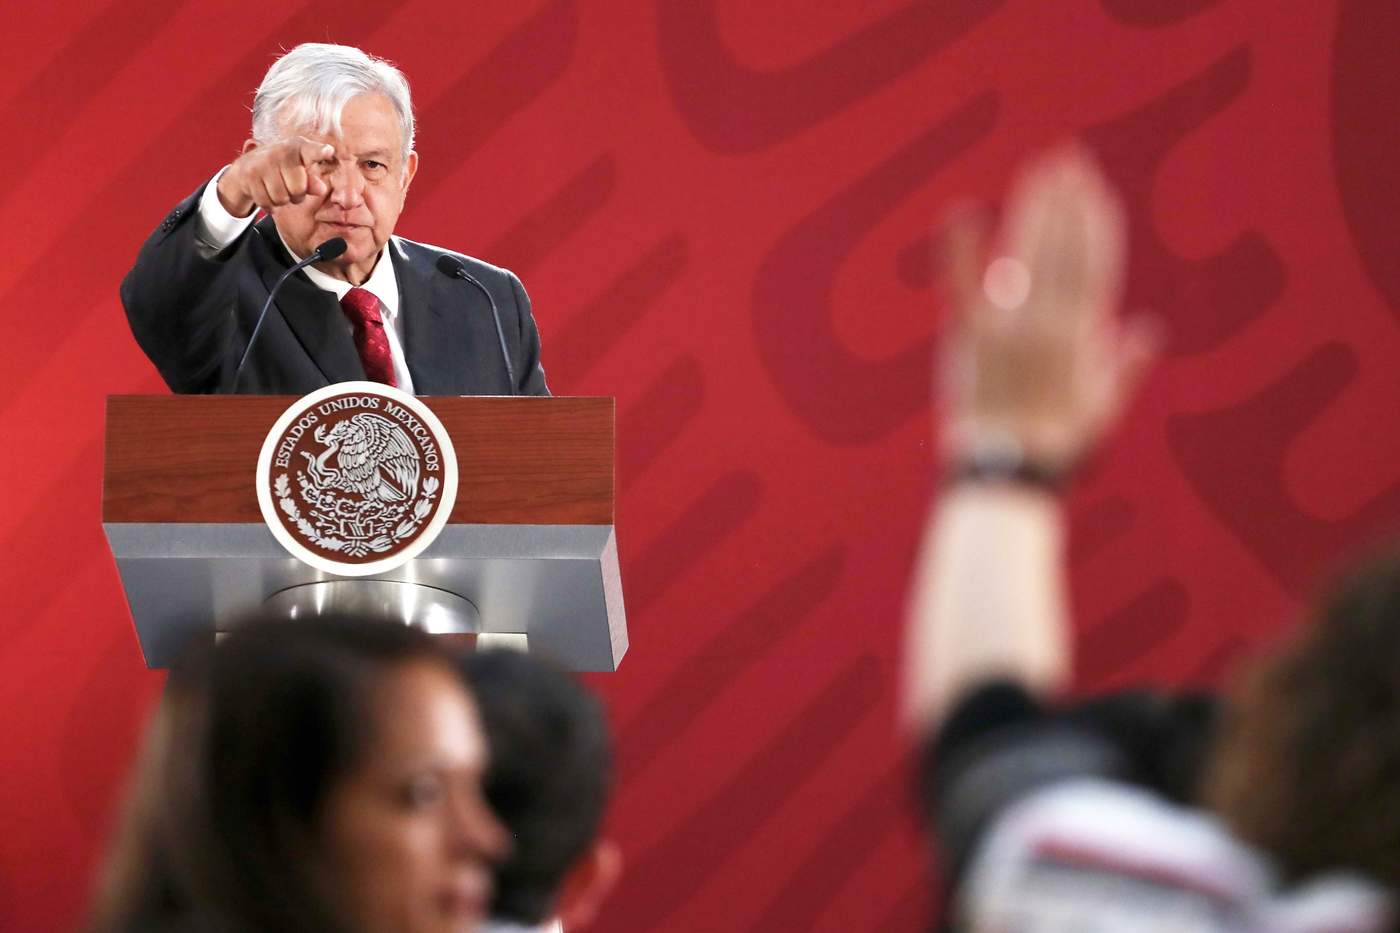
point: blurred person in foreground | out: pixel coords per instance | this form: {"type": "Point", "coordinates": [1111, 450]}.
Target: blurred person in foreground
{"type": "Point", "coordinates": [1135, 811]}
{"type": "Point", "coordinates": [548, 782]}
{"type": "Point", "coordinates": [308, 776]}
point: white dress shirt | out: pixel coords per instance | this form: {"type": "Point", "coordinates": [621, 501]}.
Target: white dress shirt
{"type": "Point", "coordinates": [218, 228]}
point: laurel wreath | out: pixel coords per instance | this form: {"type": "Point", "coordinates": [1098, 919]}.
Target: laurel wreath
{"type": "Point", "coordinates": [322, 527]}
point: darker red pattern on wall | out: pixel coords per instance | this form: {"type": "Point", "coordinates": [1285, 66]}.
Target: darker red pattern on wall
{"type": "Point", "coordinates": [723, 212]}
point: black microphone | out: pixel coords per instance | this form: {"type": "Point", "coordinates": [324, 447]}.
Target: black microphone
{"type": "Point", "coordinates": [453, 267]}
{"type": "Point", "coordinates": [327, 250]}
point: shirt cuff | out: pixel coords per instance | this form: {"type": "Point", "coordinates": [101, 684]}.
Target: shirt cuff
{"type": "Point", "coordinates": [217, 227]}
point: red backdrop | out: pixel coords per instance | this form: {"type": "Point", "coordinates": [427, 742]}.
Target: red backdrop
{"type": "Point", "coordinates": [722, 210]}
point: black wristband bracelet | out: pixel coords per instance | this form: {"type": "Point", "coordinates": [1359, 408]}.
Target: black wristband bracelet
{"type": "Point", "coordinates": [1013, 469]}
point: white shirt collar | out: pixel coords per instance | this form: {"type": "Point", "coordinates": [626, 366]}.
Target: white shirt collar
{"type": "Point", "coordinates": [507, 926]}
{"type": "Point", "coordinates": [383, 283]}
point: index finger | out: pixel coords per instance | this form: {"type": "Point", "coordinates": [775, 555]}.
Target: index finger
{"type": "Point", "coordinates": [312, 152]}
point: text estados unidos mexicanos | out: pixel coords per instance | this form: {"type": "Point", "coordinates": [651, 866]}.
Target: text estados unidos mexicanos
{"type": "Point", "coordinates": [431, 460]}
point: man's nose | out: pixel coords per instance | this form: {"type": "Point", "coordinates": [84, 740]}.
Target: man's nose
{"type": "Point", "coordinates": [347, 187]}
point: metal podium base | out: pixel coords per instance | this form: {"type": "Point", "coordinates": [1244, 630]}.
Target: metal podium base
{"type": "Point", "coordinates": [435, 610]}
{"type": "Point", "coordinates": [554, 588]}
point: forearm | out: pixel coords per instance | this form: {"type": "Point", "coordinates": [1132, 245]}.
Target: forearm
{"type": "Point", "coordinates": [179, 303]}
{"type": "Point", "coordinates": [989, 597]}
{"type": "Point", "coordinates": [1033, 378]}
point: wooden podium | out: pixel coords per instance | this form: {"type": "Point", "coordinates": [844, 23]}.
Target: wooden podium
{"type": "Point", "coordinates": [529, 544]}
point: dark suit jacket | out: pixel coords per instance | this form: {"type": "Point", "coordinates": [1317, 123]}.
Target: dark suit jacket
{"type": "Point", "coordinates": [193, 316]}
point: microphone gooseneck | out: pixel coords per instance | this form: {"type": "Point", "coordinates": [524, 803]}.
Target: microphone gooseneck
{"type": "Point", "coordinates": [330, 249]}
{"type": "Point", "coordinates": [454, 268]}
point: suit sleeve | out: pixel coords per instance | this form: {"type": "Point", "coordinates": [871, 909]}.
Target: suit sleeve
{"type": "Point", "coordinates": [529, 374]}
{"type": "Point", "coordinates": [181, 303]}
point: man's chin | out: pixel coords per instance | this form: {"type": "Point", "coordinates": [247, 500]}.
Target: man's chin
{"type": "Point", "coordinates": [353, 265]}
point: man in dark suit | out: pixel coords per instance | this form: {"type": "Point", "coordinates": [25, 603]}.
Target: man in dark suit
{"type": "Point", "coordinates": [331, 156]}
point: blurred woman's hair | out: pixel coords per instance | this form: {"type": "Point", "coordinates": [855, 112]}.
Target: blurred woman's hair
{"type": "Point", "coordinates": [1308, 762]}
{"type": "Point", "coordinates": [221, 830]}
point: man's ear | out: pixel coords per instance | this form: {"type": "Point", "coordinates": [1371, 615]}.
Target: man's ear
{"type": "Point", "coordinates": [588, 884]}
{"type": "Point", "coordinates": [249, 145]}
{"type": "Point", "coordinates": [410, 168]}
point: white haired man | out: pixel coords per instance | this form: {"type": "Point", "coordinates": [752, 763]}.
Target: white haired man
{"type": "Point", "coordinates": [331, 155]}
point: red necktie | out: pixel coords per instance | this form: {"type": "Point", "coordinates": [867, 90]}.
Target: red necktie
{"type": "Point", "coordinates": [362, 308]}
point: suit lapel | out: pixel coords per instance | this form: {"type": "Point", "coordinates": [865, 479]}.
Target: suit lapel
{"type": "Point", "coordinates": [431, 344]}
{"type": "Point", "coordinates": [313, 314]}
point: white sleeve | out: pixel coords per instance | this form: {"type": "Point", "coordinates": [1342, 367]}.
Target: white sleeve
{"type": "Point", "coordinates": [217, 227]}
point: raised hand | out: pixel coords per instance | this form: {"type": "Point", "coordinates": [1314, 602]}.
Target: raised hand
{"type": "Point", "coordinates": [1038, 359]}
{"type": "Point", "coordinates": [271, 175]}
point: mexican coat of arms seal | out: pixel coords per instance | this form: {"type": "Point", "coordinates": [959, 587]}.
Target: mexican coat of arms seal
{"type": "Point", "coordinates": [357, 478]}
